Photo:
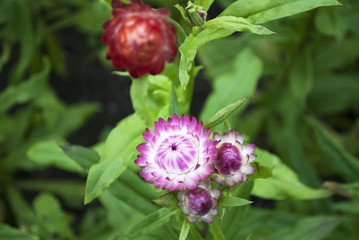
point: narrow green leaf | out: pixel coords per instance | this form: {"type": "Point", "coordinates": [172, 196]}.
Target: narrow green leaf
{"type": "Point", "coordinates": [25, 91]}
{"type": "Point", "coordinates": [231, 201]}
{"type": "Point", "coordinates": [71, 191]}
{"type": "Point", "coordinates": [147, 224]}
{"type": "Point", "coordinates": [49, 153]}
{"type": "Point", "coordinates": [236, 84]}
{"type": "Point", "coordinates": [188, 50]}
{"type": "Point", "coordinates": [174, 107]}
{"type": "Point", "coordinates": [341, 161]}
{"type": "Point", "coordinates": [183, 13]}
{"type": "Point", "coordinates": [301, 75]}
{"type": "Point", "coordinates": [195, 234]}
{"type": "Point", "coordinates": [168, 200]}
{"type": "Point", "coordinates": [20, 208]}
{"type": "Point", "coordinates": [204, 3]}
{"type": "Point", "coordinates": [261, 11]}
{"type": "Point", "coordinates": [52, 218]}
{"type": "Point", "coordinates": [127, 193]}
{"type": "Point", "coordinates": [83, 156]}
{"type": "Point", "coordinates": [261, 171]}
{"type": "Point", "coordinates": [309, 228]}
{"type": "Point", "coordinates": [284, 183]}
{"type": "Point", "coordinates": [119, 151]}
{"type": "Point", "coordinates": [186, 226]}
{"type": "Point", "coordinates": [5, 54]}
{"type": "Point", "coordinates": [139, 94]}
{"type": "Point", "coordinates": [9, 233]}
{"type": "Point", "coordinates": [237, 24]}
{"type": "Point", "coordinates": [216, 230]}
{"type": "Point", "coordinates": [223, 114]}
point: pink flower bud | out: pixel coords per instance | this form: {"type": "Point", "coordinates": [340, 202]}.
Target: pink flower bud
{"type": "Point", "coordinates": [232, 163]}
{"type": "Point", "coordinates": [199, 204]}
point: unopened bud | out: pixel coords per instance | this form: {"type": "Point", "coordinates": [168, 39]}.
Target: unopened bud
{"type": "Point", "coordinates": [196, 14]}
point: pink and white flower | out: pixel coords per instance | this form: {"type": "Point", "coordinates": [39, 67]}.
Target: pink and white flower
{"type": "Point", "coordinates": [177, 154]}
{"type": "Point", "coordinates": [199, 204]}
{"type": "Point", "coordinates": [233, 159]}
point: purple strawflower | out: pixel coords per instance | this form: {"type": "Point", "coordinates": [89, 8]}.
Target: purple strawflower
{"type": "Point", "coordinates": [177, 154]}
{"type": "Point", "coordinates": [199, 204]}
{"type": "Point", "coordinates": [232, 164]}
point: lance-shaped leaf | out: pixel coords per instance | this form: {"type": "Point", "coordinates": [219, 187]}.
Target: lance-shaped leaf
{"type": "Point", "coordinates": [83, 156]}
{"type": "Point", "coordinates": [119, 150]}
{"type": "Point", "coordinates": [261, 11]}
{"type": "Point", "coordinates": [237, 24]}
{"type": "Point", "coordinates": [224, 114]}
{"type": "Point", "coordinates": [147, 224]}
{"type": "Point", "coordinates": [186, 226]}
{"type": "Point", "coordinates": [232, 201]}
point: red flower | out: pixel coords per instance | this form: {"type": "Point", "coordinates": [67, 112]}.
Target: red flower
{"type": "Point", "coordinates": [140, 39]}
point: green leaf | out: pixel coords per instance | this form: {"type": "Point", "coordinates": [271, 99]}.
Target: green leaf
{"type": "Point", "coordinates": [237, 24]}
{"type": "Point", "coordinates": [174, 107]}
{"type": "Point", "coordinates": [83, 156]}
{"type": "Point", "coordinates": [127, 193]}
{"type": "Point", "coordinates": [20, 26]}
{"type": "Point", "coordinates": [9, 233]}
{"type": "Point", "coordinates": [138, 92]}
{"type": "Point", "coordinates": [301, 75]}
{"type": "Point", "coordinates": [5, 54]}
{"type": "Point", "coordinates": [216, 230]}
{"type": "Point", "coordinates": [223, 114]}
{"type": "Point", "coordinates": [340, 160]}
{"type": "Point", "coordinates": [147, 224]}
{"type": "Point", "coordinates": [309, 228]}
{"type": "Point", "coordinates": [237, 84]}
{"type": "Point", "coordinates": [25, 91]}
{"type": "Point", "coordinates": [71, 191]}
{"type": "Point", "coordinates": [261, 171]}
{"type": "Point", "coordinates": [20, 208]}
{"type": "Point", "coordinates": [284, 184]}
{"type": "Point", "coordinates": [186, 226]}
{"type": "Point", "coordinates": [49, 153]}
{"type": "Point", "coordinates": [168, 200]}
{"type": "Point", "coordinates": [231, 201]}
{"type": "Point", "coordinates": [119, 151]}
{"type": "Point", "coordinates": [52, 218]}
{"type": "Point", "coordinates": [204, 3]}
{"type": "Point", "coordinates": [188, 50]}
{"type": "Point", "coordinates": [261, 11]}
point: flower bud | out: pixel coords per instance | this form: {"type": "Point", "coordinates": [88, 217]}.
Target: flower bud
{"type": "Point", "coordinates": [140, 39]}
{"type": "Point", "coordinates": [196, 14]}
{"type": "Point", "coordinates": [232, 163]}
{"type": "Point", "coordinates": [199, 204]}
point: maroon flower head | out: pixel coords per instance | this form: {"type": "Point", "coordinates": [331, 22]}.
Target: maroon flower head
{"type": "Point", "coordinates": [140, 39]}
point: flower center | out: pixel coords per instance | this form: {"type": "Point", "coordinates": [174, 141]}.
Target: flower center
{"type": "Point", "coordinates": [229, 159]}
{"type": "Point", "coordinates": [199, 201]}
{"type": "Point", "coordinates": [176, 154]}
{"type": "Point", "coordinates": [139, 38]}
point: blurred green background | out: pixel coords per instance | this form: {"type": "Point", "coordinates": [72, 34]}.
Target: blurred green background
{"type": "Point", "coordinates": [56, 87]}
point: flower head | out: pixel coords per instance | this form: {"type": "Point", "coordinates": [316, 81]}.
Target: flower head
{"type": "Point", "coordinates": [140, 39]}
{"type": "Point", "coordinates": [233, 158]}
{"type": "Point", "coordinates": [177, 154]}
{"type": "Point", "coordinates": [199, 204]}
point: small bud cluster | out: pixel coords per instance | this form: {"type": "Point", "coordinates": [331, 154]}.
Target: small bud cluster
{"type": "Point", "coordinates": [178, 156]}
